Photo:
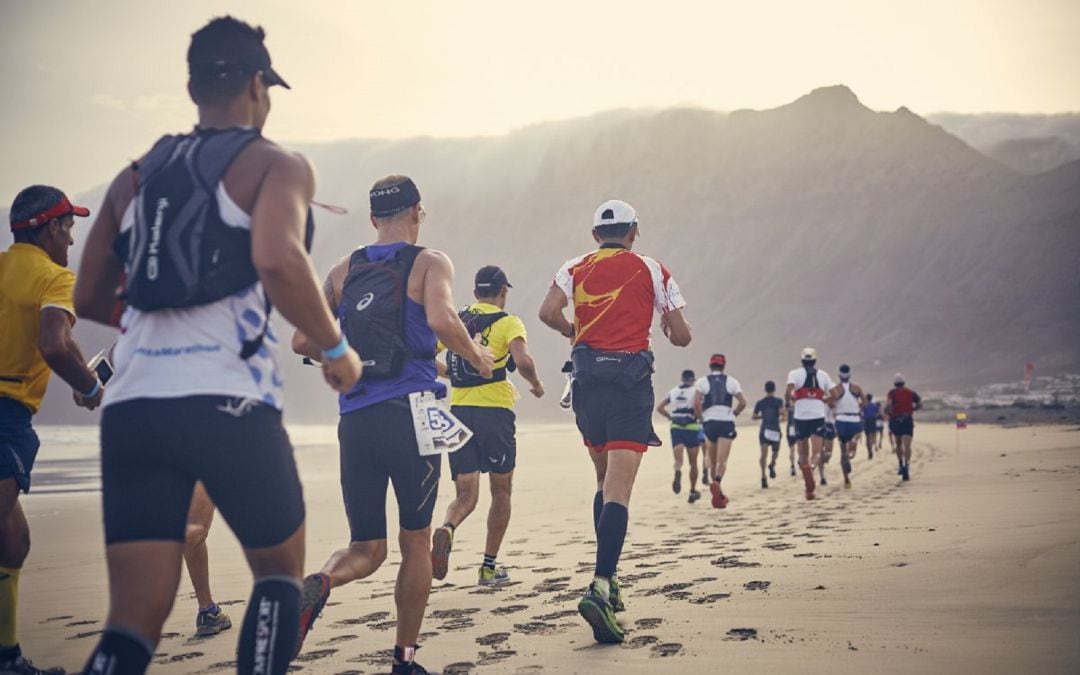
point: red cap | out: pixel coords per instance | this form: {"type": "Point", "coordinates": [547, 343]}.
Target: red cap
{"type": "Point", "coordinates": [57, 210]}
{"type": "Point", "coordinates": [717, 360]}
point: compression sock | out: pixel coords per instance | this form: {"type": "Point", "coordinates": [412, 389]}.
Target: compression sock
{"type": "Point", "coordinates": [273, 610]}
{"type": "Point", "coordinates": [120, 652]}
{"type": "Point", "coordinates": [597, 507]}
{"type": "Point", "coordinates": [489, 561]}
{"type": "Point", "coordinates": [403, 659]}
{"type": "Point", "coordinates": [611, 533]}
{"type": "Point", "coordinates": [9, 605]}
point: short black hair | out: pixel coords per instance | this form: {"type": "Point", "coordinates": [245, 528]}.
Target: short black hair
{"type": "Point", "coordinates": [613, 230]}
{"type": "Point", "coordinates": [770, 387]}
{"type": "Point", "coordinates": [687, 374]}
{"type": "Point", "coordinates": [223, 39]}
{"type": "Point", "coordinates": [28, 203]}
{"type": "Point", "coordinates": [869, 397]}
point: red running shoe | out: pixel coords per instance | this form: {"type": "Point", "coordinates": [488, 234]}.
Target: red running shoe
{"type": "Point", "coordinates": [313, 596]}
{"type": "Point", "coordinates": [718, 499]}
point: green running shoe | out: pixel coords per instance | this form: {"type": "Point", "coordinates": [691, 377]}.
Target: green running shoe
{"type": "Point", "coordinates": [615, 596]}
{"type": "Point", "coordinates": [600, 617]}
{"type": "Point", "coordinates": [493, 577]}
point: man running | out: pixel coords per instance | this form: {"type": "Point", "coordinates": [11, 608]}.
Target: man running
{"type": "Point", "coordinates": [197, 393]}
{"type": "Point", "coordinates": [36, 315]}
{"type": "Point", "coordinates": [684, 431]}
{"type": "Point", "coordinates": [827, 443]}
{"type": "Point", "coordinates": [871, 413]}
{"type": "Point", "coordinates": [712, 403]}
{"type": "Point", "coordinates": [850, 401]}
{"type": "Point", "coordinates": [770, 410]}
{"type": "Point", "coordinates": [394, 301]}
{"type": "Point", "coordinates": [613, 292]}
{"type": "Point", "coordinates": [792, 436]}
{"type": "Point", "coordinates": [808, 389]}
{"type": "Point", "coordinates": [487, 407]}
{"type": "Point", "coordinates": [210, 619]}
{"type": "Point", "coordinates": [900, 409]}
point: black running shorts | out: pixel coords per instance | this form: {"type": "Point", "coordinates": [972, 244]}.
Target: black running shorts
{"type": "Point", "coordinates": [715, 430]}
{"type": "Point", "coordinates": [806, 428]}
{"type": "Point", "coordinates": [612, 417]}
{"type": "Point", "coordinates": [775, 445]}
{"type": "Point", "coordinates": [493, 447]}
{"type": "Point", "coordinates": [378, 447]}
{"type": "Point", "coordinates": [153, 451]}
{"type": "Point", "coordinates": [902, 426]}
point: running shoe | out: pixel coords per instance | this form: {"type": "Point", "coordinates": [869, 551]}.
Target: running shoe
{"type": "Point", "coordinates": [808, 479]}
{"type": "Point", "coordinates": [792, 469]}
{"type": "Point", "coordinates": [600, 616]}
{"type": "Point", "coordinates": [905, 472]}
{"type": "Point", "coordinates": [772, 471]}
{"type": "Point", "coordinates": [717, 495]}
{"type": "Point", "coordinates": [22, 666]}
{"type": "Point", "coordinates": [441, 543]}
{"type": "Point", "coordinates": [615, 596]}
{"type": "Point", "coordinates": [823, 481]}
{"type": "Point", "coordinates": [410, 668]}
{"type": "Point", "coordinates": [764, 483]}
{"type": "Point", "coordinates": [694, 496]}
{"type": "Point", "coordinates": [676, 485]}
{"type": "Point", "coordinates": [704, 476]}
{"type": "Point", "coordinates": [900, 470]}
{"type": "Point", "coordinates": [871, 452]}
{"type": "Point", "coordinates": [847, 483]}
{"type": "Point", "coordinates": [313, 596]}
{"type": "Point", "coordinates": [493, 577]}
{"type": "Point", "coordinates": [211, 622]}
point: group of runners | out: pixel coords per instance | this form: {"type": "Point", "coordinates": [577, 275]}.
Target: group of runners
{"type": "Point", "coordinates": [195, 245]}
{"type": "Point", "coordinates": [817, 412]}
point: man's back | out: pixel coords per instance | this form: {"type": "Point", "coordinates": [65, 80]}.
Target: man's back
{"type": "Point", "coordinates": [497, 337]}
{"type": "Point", "coordinates": [769, 409]}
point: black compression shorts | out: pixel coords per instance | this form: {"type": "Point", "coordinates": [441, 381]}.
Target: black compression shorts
{"type": "Point", "coordinates": [493, 447]}
{"type": "Point", "coordinates": [153, 451]}
{"type": "Point", "coordinates": [378, 446]}
{"type": "Point", "coordinates": [716, 429]}
{"type": "Point", "coordinates": [612, 417]}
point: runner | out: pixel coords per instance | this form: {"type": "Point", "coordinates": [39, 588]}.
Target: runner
{"type": "Point", "coordinates": [827, 445]}
{"type": "Point", "coordinates": [850, 401]}
{"type": "Point", "coordinates": [209, 620]}
{"type": "Point", "coordinates": [792, 436]}
{"type": "Point", "coordinates": [684, 431]}
{"type": "Point", "coordinates": [808, 389]}
{"type": "Point", "coordinates": [900, 409]}
{"type": "Point", "coordinates": [36, 315]}
{"type": "Point", "coordinates": [712, 402]}
{"type": "Point", "coordinates": [197, 392]}
{"type": "Point", "coordinates": [486, 407]}
{"type": "Point", "coordinates": [394, 302]}
{"type": "Point", "coordinates": [613, 292]}
{"type": "Point", "coordinates": [770, 410]}
{"type": "Point", "coordinates": [871, 413]}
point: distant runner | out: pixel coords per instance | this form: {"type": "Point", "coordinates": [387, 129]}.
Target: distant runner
{"type": "Point", "coordinates": [850, 401]}
{"type": "Point", "coordinates": [871, 413]}
{"type": "Point", "coordinates": [792, 435]}
{"type": "Point", "coordinates": [713, 404]}
{"type": "Point", "coordinates": [36, 315]}
{"type": "Point", "coordinates": [772, 413]}
{"type": "Point", "coordinates": [808, 389]}
{"type": "Point", "coordinates": [685, 428]}
{"type": "Point", "coordinates": [827, 445]}
{"type": "Point", "coordinates": [613, 292]}
{"type": "Point", "coordinates": [900, 409]}
{"type": "Point", "coordinates": [486, 406]}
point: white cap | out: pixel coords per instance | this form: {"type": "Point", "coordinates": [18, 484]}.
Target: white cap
{"type": "Point", "coordinates": [898, 379]}
{"type": "Point", "coordinates": [614, 211]}
{"type": "Point", "coordinates": [809, 354]}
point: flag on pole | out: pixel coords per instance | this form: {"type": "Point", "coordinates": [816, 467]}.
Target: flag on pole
{"type": "Point", "coordinates": [961, 420]}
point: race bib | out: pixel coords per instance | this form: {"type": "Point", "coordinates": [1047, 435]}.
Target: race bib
{"type": "Point", "coordinates": [437, 430]}
{"type": "Point", "coordinates": [772, 435]}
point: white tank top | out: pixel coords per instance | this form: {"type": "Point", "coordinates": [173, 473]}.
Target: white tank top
{"type": "Point", "coordinates": [847, 408]}
{"type": "Point", "coordinates": [194, 351]}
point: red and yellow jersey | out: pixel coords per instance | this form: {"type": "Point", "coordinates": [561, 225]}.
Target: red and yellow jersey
{"type": "Point", "coordinates": [614, 292]}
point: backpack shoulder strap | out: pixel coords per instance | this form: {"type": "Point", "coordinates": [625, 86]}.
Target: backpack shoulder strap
{"type": "Point", "coordinates": [216, 152]}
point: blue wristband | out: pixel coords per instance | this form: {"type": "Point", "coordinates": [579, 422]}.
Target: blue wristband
{"type": "Point", "coordinates": [338, 351]}
{"type": "Point", "coordinates": [93, 392]}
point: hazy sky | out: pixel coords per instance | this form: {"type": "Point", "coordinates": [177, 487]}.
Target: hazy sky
{"type": "Point", "coordinates": [88, 85]}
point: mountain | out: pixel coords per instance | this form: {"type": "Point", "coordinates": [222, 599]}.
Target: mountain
{"type": "Point", "coordinates": [877, 237]}
{"type": "Point", "coordinates": [1028, 143]}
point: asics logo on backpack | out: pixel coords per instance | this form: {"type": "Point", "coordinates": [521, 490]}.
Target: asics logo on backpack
{"type": "Point", "coordinates": [364, 302]}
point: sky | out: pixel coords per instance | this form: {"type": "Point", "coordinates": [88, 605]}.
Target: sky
{"type": "Point", "coordinates": [87, 86]}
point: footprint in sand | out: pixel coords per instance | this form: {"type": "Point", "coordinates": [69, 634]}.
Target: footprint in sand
{"type": "Point", "coordinates": [360, 620]}
{"type": "Point", "coordinates": [710, 599]}
{"type": "Point", "coordinates": [778, 546]}
{"type": "Point", "coordinates": [178, 658]}
{"type": "Point", "coordinates": [89, 622]}
{"type": "Point", "coordinates": [646, 624]}
{"type": "Point", "coordinates": [492, 639]}
{"type": "Point", "coordinates": [741, 634]}
{"type": "Point", "coordinates": [379, 658]}
{"type": "Point", "coordinates": [508, 609]}
{"type": "Point", "coordinates": [732, 562]}
{"type": "Point", "coordinates": [640, 641]}
{"type": "Point", "coordinates": [555, 616]}
{"type": "Point", "coordinates": [667, 649]}
{"type": "Point", "coordinates": [337, 640]}
{"type": "Point", "coordinates": [537, 628]}
{"type": "Point", "coordinates": [57, 618]}
{"type": "Point", "coordinates": [669, 589]}
{"type": "Point", "coordinates": [453, 613]}
{"type": "Point", "coordinates": [757, 585]}
{"type": "Point", "coordinates": [315, 655]}
{"type": "Point", "coordinates": [459, 668]}
{"type": "Point", "coordinates": [486, 659]}
{"type": "Point", "coordinates": [383, 625]}
{"type": "Point", "coordinates": [220, 665]}
{"type": "Point", "coordinates": [80, 636]}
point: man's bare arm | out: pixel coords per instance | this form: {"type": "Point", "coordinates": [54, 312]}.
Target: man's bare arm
{"type": "Point", "coordinates": [62, 354]}
{"type": "Point", "coordinates": [742, 404]}
{"type": "Point", "coordinates": [552, 312]}
{"type": "Point", "coordinates": [699, 410]}
{"type": "Point", "coordinates": [662, 408]}
{"type": "Point", "coordinates": [443, 318]}
{"type": "Point", "coordinates": [526, 366]}
{"type": "Point", "coordinates": [787, 394]}
{"type": "Point", "coordinates": [300, 342]}
{"type": "Point", "coordinates": [676, 328]}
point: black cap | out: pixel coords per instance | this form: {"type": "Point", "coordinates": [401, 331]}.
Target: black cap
{"type": "Point", "coordinates": [489, 280]}
{"type": "Point", "coordinates": [845, 368]}
{"type": "Point", "coordinates": [226, 46]}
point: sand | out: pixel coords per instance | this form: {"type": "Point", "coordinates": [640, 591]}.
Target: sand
{"type": "Point", "coordinates": [972, 567]}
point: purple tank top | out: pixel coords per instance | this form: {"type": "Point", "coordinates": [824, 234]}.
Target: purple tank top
{"type": "Point", "coordinates": [418, 374]}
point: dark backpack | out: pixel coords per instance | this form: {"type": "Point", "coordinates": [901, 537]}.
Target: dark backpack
{"type": "Point", "coordinates": [810, 387]}
{"type": "Point", "coordinates": [180, 253]}
{"type": "Point", "coordinates": [373, 300]}
{"type": "Point", "coordinates": [460, 371]}
{"type": "Point", "coordinates": [718, 393]}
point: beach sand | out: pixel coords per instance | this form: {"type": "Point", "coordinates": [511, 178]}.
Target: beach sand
{"type": "Point", "coordinates": [972, 567]}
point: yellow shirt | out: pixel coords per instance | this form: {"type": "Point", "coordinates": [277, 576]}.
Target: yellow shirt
{"type": "Point", "coordinates": [498, 338]}
{"type": "Point", "coordinates": [29, 282]}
